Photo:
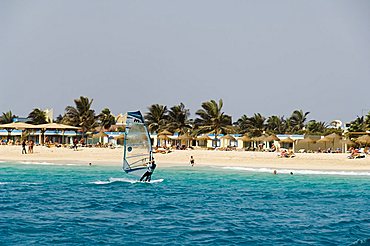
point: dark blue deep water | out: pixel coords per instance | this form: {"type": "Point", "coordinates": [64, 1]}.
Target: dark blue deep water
{"type": "Point", "coordinates": [82, 205]}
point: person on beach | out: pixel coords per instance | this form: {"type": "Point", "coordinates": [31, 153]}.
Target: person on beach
{"type": "Point", "coordinates": [24, 147]}
{"type": "Point", "coordinates": [75, 142]}
{"type": "Point", "coordinates": [30, 146]}
{"type": "Point", "coordinates": [192, 161]}
{"type": "Point", "coordinates": [147, 176]}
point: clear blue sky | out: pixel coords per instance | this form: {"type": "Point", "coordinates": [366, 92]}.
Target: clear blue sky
{"type": "Point", "coordinates": [269, 57]}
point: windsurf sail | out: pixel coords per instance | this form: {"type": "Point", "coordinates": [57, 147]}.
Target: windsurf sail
{"type": "Point", "coordinates": [137, 151]}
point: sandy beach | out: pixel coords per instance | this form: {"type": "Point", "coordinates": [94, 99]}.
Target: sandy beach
{"type": "Point", "coordinates": [106, 156]}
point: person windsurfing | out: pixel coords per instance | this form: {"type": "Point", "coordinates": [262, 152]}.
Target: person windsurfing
{"type": "Point", "coordinates": [147, 176]}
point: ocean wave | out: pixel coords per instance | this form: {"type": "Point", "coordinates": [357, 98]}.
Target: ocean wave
{"type": "Point", "coordinates": [19, 183]}
{"type": "Point", "coordinates": [361, 242]}
{"type": "Point", "coordinates": [124, 180]}
{"type": "Point", "coordinates": [46, 163]}
{"type": "Point", "coordinates": [300, 171]}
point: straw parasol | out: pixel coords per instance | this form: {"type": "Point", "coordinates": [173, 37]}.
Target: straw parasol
{"type": "Point", "coordinates": [245, 138]}
{"type": "Point", "coordinates": [120, 137]}
{"type": "Point", "coordinates": [307, 140]}
{"type": "Point", "coordinates": [259, 139]}
{"type": "Point", "coordinates": [325, 140]}
{"type": "Point", "coordinates": [272, 137]}
{"type": "Point", "coordinates": [100, 134]}
{"type": "Point", "coordinates": [204, 138]}
{"type": "Point", "coordinates": [228, 137]}
{"type": "Point", "coordinates": [287, 140]}
{"type": "Point", "coordinates": [185, 137]}
{"type": "Point", "coordinates": [347, 141]}
{"type": "Point", "coordinates": [164, 132]}
{"type": "Point", "coordinates": [332, 136]}
{"type": "Point", "coordinates": [364, 139]}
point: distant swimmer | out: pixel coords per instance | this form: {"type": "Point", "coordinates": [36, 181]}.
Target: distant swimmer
{"type": "Point", "coordinates": [147, 176]}
{"type": "Point", "coordinates": [291, 173]}
{"type": "Point", "coordinates": [89, 163]}
{"type": "Point", "coordinates": [275, 172]}
{"type": "Point", "coordinates": [192, 161]}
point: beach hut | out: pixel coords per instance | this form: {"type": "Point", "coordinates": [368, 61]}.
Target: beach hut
{"type": "Point", "coordinates": [185, 138]}
{"type": "Point", "coordinates": [163, 135]}
{"type": "Point", "coordinates": [230, 141]}
{"type": "Point", "coordinates": [203, 140]}
{"type": "Point", "coordinates": [246, 140]}
{"type": "Point", "coordinates": [287, 143]}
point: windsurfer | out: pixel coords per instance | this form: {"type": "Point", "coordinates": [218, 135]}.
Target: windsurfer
{"type": "Point", "coordinates": [148, 174]}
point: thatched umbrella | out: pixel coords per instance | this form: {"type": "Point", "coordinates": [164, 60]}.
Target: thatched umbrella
{"type": "Point", "coordinates": [364, 139]}
{"type": "Point", "coordinates": [325, 140]}
{"type": "Point", "coordinates": [272, 137]}
{"type": "Point", "coordinates": [228, 137]}
{"type": "Point", "coordinates": [347, 141]}
{"type": "Point", "coordinates": [287, 140]}
{"type": "Point", "coordinates": [120, 137]}
{"type": "Point", "coordinates": [204, 137]}
{"type": "Point", "coordinates": [245, 138]}
{"type": "Point", "coordinates": [307, 140]}
{"type": "Point", "coordinates": [100, 135]}
{"type": "Point", "coordinates": [165, 133]}
{"type": "Point", "coordinates": [185, 137]}
{"type": "Point", "coordinates": [332, 136]}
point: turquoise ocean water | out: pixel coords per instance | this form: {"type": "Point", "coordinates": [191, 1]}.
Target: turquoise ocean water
{"type": "Point", "coordinates": [41, 204]}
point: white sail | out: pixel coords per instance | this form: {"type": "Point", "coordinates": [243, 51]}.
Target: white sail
{"type": "Point", "coordinates": [137, 151]}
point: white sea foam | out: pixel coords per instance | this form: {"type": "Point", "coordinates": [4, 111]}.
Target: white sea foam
{"type": "Point", "coordinates": [19, 183]}
{"type": "Point", "coordinates": [46, 163]}
{"type": "Point", "coordinates": [299, 171]}
{"type": "Point", "coordinates": [125, 180]}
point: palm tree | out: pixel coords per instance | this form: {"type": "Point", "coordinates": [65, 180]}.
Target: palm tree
{"type": "Point", "coordinates": [256, 124]}
{"type": "Point", "coordinates": [37, 117]}
{"type": "Point", "coordinates": [358, 125]}
{"type": "Point", "coordinates": [316, 127]}
{"type": "Point", "coordinates": [106, 119]}
{"type": "Point", "coordinates": [212, 120]}
{"type": "Point", "coordinates": [276, 124]}
{"type": "Point", "coordinates": [59, 119]}
{"type": "Point", "coordinates": [82, 115]}
{"type": "Point", "coordinates": [178, 119]}
{"type": "Point", "coordinates": [156, 118]}
{"type": "Point", "coordinates": [298, 119]}
{"type": "Point", "coordinates": [7, 117]}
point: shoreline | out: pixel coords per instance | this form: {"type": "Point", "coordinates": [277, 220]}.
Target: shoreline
{"type": "Point", "coordinates": [180, 158]}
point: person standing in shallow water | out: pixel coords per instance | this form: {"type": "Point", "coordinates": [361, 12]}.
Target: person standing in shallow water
{"type": "Point", "coordinates": [24, 147]}
{"type": "Point", "coordinates": [192, 161]}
